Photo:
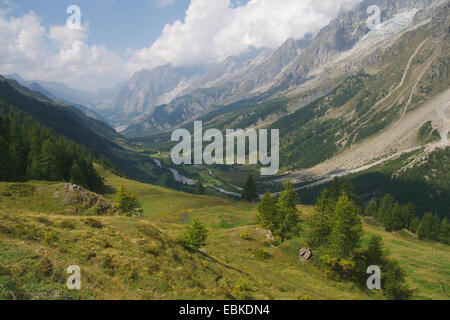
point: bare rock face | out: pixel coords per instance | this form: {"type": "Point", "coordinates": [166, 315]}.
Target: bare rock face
{"type": "Point", "coordinates": [147, 89]}
{"type": "Point", "coordinates": [77, 200]}
{"type": "Point", "coordinates": [341, 35]}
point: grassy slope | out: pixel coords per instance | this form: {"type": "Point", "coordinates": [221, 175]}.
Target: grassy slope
{"type": "Point", "coordinates": [148, 264]}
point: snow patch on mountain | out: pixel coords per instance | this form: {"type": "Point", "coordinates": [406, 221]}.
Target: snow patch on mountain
{"type": "Point", "coordinates": [391, 27]}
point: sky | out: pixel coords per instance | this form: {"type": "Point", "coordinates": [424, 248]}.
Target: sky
{"type": "Point", "coordinates": [117, 38]}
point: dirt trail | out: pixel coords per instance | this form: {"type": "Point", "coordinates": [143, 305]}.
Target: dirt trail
{"type": "Point", "coordinates": [398, 139]}
{"type": "Point", "coordinates": [419, 78]}
{"type": "Point", "coordinates": [402, 82]}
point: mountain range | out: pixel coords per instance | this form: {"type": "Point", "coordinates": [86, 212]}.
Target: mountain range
{"type": "Point", "coordinates": [338, 88]}
{"type": "Point", "coordinates": [257, 72]}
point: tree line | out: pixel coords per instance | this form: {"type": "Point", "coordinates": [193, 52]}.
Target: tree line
{"type": "Point", "coordinates": [30, 151]}
{"type": "Point", "coordinates": [397, 217]}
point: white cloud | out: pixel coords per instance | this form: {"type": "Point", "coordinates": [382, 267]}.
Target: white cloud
{"type": "Point", "coordinates": [58, 54]}
{"type": "Point", "coordinates": [63, 36]}
{"type": "Point", "coordinates": [6, 6]}
{"type": "Point", "coordinates": [211, 31]}
{"type": "Point", "coordinates": [214, 29]}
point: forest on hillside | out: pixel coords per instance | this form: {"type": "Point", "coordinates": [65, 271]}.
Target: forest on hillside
{"type": "Point", "coordinates": [32, 152]}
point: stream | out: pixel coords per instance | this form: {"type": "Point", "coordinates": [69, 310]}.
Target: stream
{"type": "Point", "coordinates": [186, 181]}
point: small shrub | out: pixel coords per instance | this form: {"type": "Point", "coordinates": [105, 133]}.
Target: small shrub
{"type": "Point", "coordinates": [241, 290]}
{"type": "Point", "coordinates": [205, 264]}
{"type": "Point", "coordinates": [108, 264]}
{"type": "Point", "coordinates": [106, 244]}
{"type": "Point", "coordinates": [67, 225]}
{"type": "Point", "coordinates": [22, 189]}
{"type": "Point", "coordinates": [44, 221]}
{"type": "Point", "coordinates": [89, 256]}
{"type": "Point", "coordinates": [153, 248]}
{"type": "Point", "coordinates": [126, 200]}
{"type": "Point", "coordinates": [245, 236]}
{"type": "Point", "coordinates": [131, 273]}
{"type": "Point", "coordinates": [262, 254]}
{"type": "Point", "coordinates": [50, 237]}
{"type": "Point", "coordinates": [93, 223]}
{"type": "Point", "coordinates": [195, 236]}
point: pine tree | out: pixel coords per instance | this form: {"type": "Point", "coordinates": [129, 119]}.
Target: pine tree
{"type": "Point", "coordinates": [321, 219]}
{"type": "Point", "coordinates": [195, 236]}
{"type": "Point", "coordinates": [414, 225]}
{"type": "Point", "coordinates": [267, 213]}
{"type": "Point", "coordinates": [250, 192]}
{"type": "Point", "coordinates": [201, 188]}
{"type": "Point", "coordinates": [48, 161]}
{"type": "Point", "coordinates": [5, 159]}
{"type": "Point", "coordinates": [126, 200]}
{"type": "Point", "coordinates": [429, 227]}
{"type": "Point", "coordinates": [94, 181]}
{"type": "Point", "coordinates": [375, 252]}
{"type": "Point", "coordinates": [346, 229]}
{"type": "Point", "coordinates": [393, 218]}
{"type": "Point", "coordinates": [408, 213]}
{"type": "Point", "coordinates": [287, 211]}
{"type": "Point", "coordinates": [371, 209]}
{"type": "Point", "coordinates": [394, 283]}
{"type": "Point", "coordinates": [77, 176]}
{"type": "Point", "coordinates": [444, 235]}
{"type": "Point", "coordinates": [387, 204]}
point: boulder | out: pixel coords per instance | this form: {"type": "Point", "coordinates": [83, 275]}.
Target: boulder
{"type": "Point", "coordinates": [305, 254]}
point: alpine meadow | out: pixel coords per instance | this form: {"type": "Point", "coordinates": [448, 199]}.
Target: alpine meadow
{"type": "Point", "coordinates": [226, 151]}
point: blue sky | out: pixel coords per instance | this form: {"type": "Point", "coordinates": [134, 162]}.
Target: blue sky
{"type": "Point", "coordinates": [117, 24]}
{"type": "Point", "coordinates": [121, 37]}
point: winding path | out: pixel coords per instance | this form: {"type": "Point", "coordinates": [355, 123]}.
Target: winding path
{"type": "Point", "coordinates": [402, 82]}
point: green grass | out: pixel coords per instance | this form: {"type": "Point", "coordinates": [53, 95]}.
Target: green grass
{"type": "Point", "coordinates": [139, 258]}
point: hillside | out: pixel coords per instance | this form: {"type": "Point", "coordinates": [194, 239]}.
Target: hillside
{"type": "Point", "coordinates": [297, 65]}
{"type": "Point", "coordinates": [138, 258]}
{"type": "Point", "coordinates": [96, 137]}
{"type": "Point", "coordinates": [363, 107]}
{"type": "Point", "coordinates": [64, 119]}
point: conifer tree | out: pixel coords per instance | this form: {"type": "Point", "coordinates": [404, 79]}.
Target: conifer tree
{"type": "Point", "coordinates": [321, 219]}
{"type": "Point", "coordinates": [287, 211]}
{"type": "Point", "coordinates": [387, 204]}
{"type": "Point", "coordinates": [126, 200]}
{"type": "Point", "coordinates": [195, 236]}
{"type": "Point", "coordinates": [371, 209]}
{"type": "Point", "coordinates": [250, 192]}
{"type": "Point", "coordinates": [201, 188]}
{"type": "Point", "coordinates": [267, 213]}
{"type": "Point", "coordinates": [444, 235]}
{"type": "Point", "coordinates": [414, 225]}
{"type": "Point", "coordinates": [346, 229]}
{"type": "Point", "coordinates": [429, 227]}
{"type": "Point", "coordinates": [77, 177]}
